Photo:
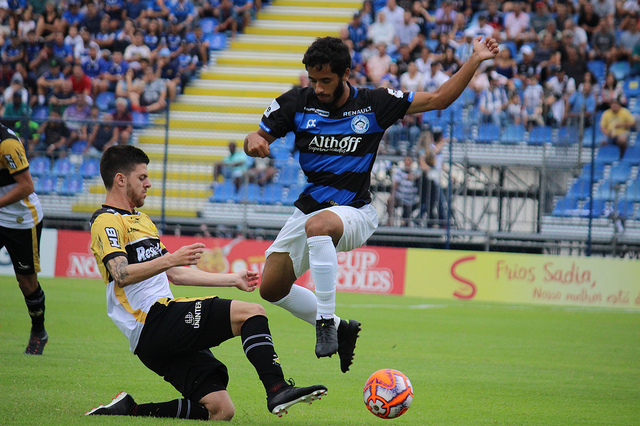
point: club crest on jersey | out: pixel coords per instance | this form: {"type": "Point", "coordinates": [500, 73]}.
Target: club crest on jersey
{"type": "Point", "coordinates": [360, 124]}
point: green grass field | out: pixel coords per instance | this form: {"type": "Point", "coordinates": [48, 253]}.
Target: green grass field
{"type": "Point", "coordinates": [470, 363]}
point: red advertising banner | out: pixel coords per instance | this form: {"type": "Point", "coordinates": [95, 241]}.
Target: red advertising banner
{"type": "Point", "coordinates": [375, 270]}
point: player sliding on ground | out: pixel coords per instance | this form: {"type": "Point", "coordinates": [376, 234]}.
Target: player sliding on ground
{"type": "Point", "coordinates": [172, 336]}
{"type": "Point", "coordinates": [337, 129]}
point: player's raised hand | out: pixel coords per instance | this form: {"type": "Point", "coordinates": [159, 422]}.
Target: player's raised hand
{"type": "Point", "coordinates": [256, 146]}
{"type": "Point", "coordinates": [487, 49]}
{"type": "Point", "coordinates": [248, 280]}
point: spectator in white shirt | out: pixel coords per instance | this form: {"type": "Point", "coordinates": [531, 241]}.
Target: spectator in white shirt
{"type": "Point", "coordinates": [435, 78]}
{"type": "Point", "coordinates": [395, 14]}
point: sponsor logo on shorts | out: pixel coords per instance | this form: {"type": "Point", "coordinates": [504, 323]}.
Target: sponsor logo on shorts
{"type": "Point", "coordinates": [193, 319]}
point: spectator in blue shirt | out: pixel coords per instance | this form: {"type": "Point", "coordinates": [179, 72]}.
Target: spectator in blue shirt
{"type": "Point", "coordinates": [581, 100]}
{"type": "Point", "coordinates": [14, 51]}
{"type": "Point", "coordinates": [91, 20]}
{"type": "Point", "coordinates": [105, 37]}
{"type": "Point", "coordinates": [115, 10]}
{"type": "Point", "coordinates": [73, 15]}
{"type": "Point", "coordinates": [60, 49]}
{"type": "Point", "coordinates": [157, 9]}
{"type": "Point", "coordinates": [182, 13]}
{"type": "Point", "coordinates": [135, 9]}
{"type": "Point", "coordinates": [114, 70]}
{"type": "Point", "coordinates": [357, 32]}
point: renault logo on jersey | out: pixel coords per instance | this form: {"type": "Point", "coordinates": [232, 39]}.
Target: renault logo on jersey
{"type": "Point", "coordinates": [360, 124]}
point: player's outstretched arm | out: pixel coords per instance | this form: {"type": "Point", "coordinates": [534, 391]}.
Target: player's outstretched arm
{"type": "Point", "coordinates": [126, 274]}
{"type": "Point", "coordinates": [452, 88]}
{"type": "Point", "coordinates": [243, 280]}
{"type": "Point", "coordinates": [256, 144]}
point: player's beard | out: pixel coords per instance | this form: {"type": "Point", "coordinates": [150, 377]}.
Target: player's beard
{"type": "Point", "coordinates": [336, 96]}
{"type": "Point", "coordinates": [136, 199]}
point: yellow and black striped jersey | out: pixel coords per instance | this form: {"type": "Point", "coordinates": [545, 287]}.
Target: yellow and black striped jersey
{"type": "Point", "coordinates": [116, 232]}
{"type": "Point", "coordinates": [26, 213]}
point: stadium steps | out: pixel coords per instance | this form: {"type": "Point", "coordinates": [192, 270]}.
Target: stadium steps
{"type": "Point", "coordinates": [227, 101]}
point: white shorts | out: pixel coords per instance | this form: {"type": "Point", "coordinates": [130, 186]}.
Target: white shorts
{"type": "Point", "coordinates": [359, 225]}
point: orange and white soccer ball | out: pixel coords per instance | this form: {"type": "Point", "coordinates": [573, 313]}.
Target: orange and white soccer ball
{"type": "Point", "coordinates": [388, 393]}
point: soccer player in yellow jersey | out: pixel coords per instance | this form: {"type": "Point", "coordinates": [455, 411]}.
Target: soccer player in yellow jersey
{"type": "Point", "coordinates": [172, 336]}
{"type": "Point", "coordinates": [20, 230]}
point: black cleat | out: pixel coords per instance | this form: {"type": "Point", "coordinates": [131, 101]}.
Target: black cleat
{"type": "Point", "coordinates": [36, 344]}
{"type": "Point", "coordinates": [326, 337]}
{"type": "Point", "coordinates": [288, 395]}
{"type": "Point", "coordinates": [121, 405]}
{"type": "Point", "coordinates": [347, 335]}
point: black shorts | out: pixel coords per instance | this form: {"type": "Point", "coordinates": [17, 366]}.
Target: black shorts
{"type": "Point", "coordinates": [175, 344]}
{"type": "Point", "coordinates": [23, 246]}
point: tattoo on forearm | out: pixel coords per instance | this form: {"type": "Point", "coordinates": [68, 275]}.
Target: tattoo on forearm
{"type": "Point", "coordinates": [118, 269]}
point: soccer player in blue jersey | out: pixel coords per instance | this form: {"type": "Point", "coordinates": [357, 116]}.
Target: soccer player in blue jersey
{"type": "Point", "coordinates": [338, 128]}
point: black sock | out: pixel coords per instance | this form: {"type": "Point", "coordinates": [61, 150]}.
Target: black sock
{"type": "Point", "coordinates": [258, 347]}
{"type": "Point", "coordinates": [178, 409]}
{"type": "Point", "coordinates": [35, 305]}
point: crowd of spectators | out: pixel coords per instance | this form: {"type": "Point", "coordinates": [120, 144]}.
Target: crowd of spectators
{"type": "Point", "coordinates": [59, 60]}
{"type": "Point", "coordinates": [560, 64]}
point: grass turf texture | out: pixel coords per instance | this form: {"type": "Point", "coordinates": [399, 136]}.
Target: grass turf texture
{"type": "Point", "coordinates": [470, 363]}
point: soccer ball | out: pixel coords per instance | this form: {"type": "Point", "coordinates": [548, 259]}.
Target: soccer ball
{"type": "Point", "coordinates": [388, 393]}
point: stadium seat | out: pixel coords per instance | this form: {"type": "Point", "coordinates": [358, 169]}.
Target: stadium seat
{"type": "Point", "coordinates": [63, 167]}
{"type": "Point", "coordinates": [487, 133]}
{"type": "Point", "coordinates": [249, 193]}
{"type": "Point", "coordinates": [580, 189]}
{"type": "Point", "coordinates": [208, 25]}
{"type": "Point", "coordinates": [224, 193]}
{"type": "Point", "coordinates": [632, 191]}
{"type": "Point", "coordinates": [140, 119]}
{"type": "Point", "coordinates": [625, 208]}
{"type": "Point", "coordinates": [105, 101]}
{"type": "Point", "coordinates": [217, 41]}
{"type": "Point", "coordinates": [39, 166]}
{"type": "Point", "coordinates": [512, 134]}
{"type": "Point", "coordinates": [607, 190]}
{"type": "Point", "coordinates": [598, 68]}
{"type": "Point", "coordinates": [292, 194]}
{"type": "Point", "coordinates": [70, 185]}
{"type": "Point", "coordinates": [588, 136]}
{"type": "Point", "coordinates": [631, 87]}
{"type": "Point", "coordinates": [78, 147]}
{"type": "Point", "coordinates": [597, 208]}
{"type": "Point", "coordinates": [608, 154]}
{"type": "Point", "coordinates": [46, 184]}
{"type": "Point", "coordinates": [620, 69]}
{"type": "Point", "coordinates": [540, 135]}
{"type": "Point", "coordinates": [40, 114]}
{"type": "Point", "coordinates": [272, 194]}
{"type": "Point", "coordinates": [632, 155]}
{"type": "Point", "coordinates": [289, 175]}
{"type": "Point", "coordinates": [565, 206]}
{"type": "Point", "coordinates": [89, 168]}
{"type": "Point", "coordinates": [598, 172]}
{"type": "Point", "coordinates": [620, 173]}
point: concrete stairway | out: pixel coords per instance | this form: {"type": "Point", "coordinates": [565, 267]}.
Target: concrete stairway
{"type": "Point", "coordinates": [228, 100]}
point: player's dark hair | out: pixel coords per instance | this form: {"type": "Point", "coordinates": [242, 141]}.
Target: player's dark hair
{"type": "Point", "coordinates": [120, 159]}
{"type": "Point", "coordinates": [328, 50]}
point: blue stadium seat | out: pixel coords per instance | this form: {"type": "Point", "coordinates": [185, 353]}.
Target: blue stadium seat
{"type": "Point", "coordinates": [513, 133]}
{"type": "Point", "coordinates": [289, 175]}
{"type": "Point", "coordinates": [70, 185]}
{"type": "Point", "coordinates": [140, 119]}
{"type": "Point", "coordinates": [540, 135]}
{"type": "Point", "coordinates": [632, 191]}
{"type": "Point", "coordinates": [63, 167]}
{"type": "Point", "coordinates": [89, 168]}
{"type": "Point", "coordinates": [620, 173]}
{"type": "Point", "coordinates": [487, 133]}
{"type": "Point", "coordinates": [40, 114]}
{"type": "Point", "coordinates": [224, 193]}
{"type": "Point", "coordinates": [249, 193]}
{"type": "Point", "coordinates": [632, 155]}
{"type": "Point", "coordinates": [625, 208]}
{"type": "Point", "coordinates": [598, 171]}
{"type": "Point", "coordinates": [46, 184]}
{"type": "Point", "coordinates": [597, 208]}
{"type": "Point", "coordinates": [620, 69]}
{"type": "Point", "coordinates": [105, 101]}
{"type": "Point", "coordinates": [208, 25]}
{"type": "Point", "coordinates": [587, 138]}
{"type": "Point", "coordinates": [567, 135]}
{"type": "Point", "coordinates": [217, 41]}
{"type": "Point", "coordinates": [631, 87]}
{"type": "Point", "coordinates": [565, 206]}
{"type": "Point", "coordinates": [292, 194]}
{"type": "Point", "coordinates": [272, 194]}
{"type": "Point", "coordinates": [607, 190]}
{"type": "Point", "coordinates": [598, 68]}
{"type": "Point", "coordinates": [608, 154]}
{"type": "Point", "coordinates": [78, 147]}
{"type": "Point", "coordinates": [39, 166]}
{"type": "Point", "coordinates": [580, 189]}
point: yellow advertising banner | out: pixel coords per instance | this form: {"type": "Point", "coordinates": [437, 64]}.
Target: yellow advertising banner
{"type": "Point", "coordinates": [523, 278]}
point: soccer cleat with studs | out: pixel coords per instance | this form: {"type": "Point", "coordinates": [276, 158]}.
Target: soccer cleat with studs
{"type": "Point", "coordinates": [36, 344]}
{"type": "Point", "coordinates": [326, 337]}
{"type": "Point", "coordinates": [121, 405]}
{"type": "Point", "coordinates": [348, 332]}
{"type": "Point", "coordinates": [289, 395]}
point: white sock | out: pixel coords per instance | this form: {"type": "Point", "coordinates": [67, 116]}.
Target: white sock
{"type": "Point", "coordinates": [301, 302]}
{"type": "Point", "coordinates": [323, 263]}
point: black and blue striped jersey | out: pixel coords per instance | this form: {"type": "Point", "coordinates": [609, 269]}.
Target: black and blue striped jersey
{"type": "Point", "coordinates": [337, 147]}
